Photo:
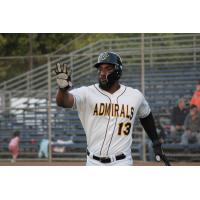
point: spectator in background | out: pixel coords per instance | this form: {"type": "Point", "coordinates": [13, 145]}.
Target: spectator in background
{"type": "Point", "coordinates": [192, 127]}
{"type": "Point", "coordinates": [178, 116]}
{"type": "Point", "coordinates": [44, 147]}
{"type": "Point", "coordinates": [13, 146]}
{"type": "Point", "coordinates": [196, 96]}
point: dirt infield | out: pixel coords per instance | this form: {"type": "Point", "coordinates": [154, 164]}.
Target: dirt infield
{"type": "Point", "coordinates": [82, 163]}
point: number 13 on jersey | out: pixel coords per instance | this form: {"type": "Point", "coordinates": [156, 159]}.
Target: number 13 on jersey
{"type": "Point", "coordinates": [124, 128]}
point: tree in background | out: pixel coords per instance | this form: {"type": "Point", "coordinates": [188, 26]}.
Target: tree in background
{"type": "Point", "coordinates": [18, 44]}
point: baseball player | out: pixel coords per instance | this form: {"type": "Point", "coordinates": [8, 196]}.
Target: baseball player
{"type": "Point", "coordinates": [107, 111]}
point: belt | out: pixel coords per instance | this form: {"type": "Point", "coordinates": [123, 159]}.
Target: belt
{"type": "Point", "coordinates": [106, 159]}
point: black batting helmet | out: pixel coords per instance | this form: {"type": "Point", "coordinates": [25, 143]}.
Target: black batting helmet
{"type": "Point", "coordinates": [111, 58]}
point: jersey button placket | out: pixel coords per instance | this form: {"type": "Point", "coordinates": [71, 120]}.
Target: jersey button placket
{"type": "Point", "coordinates": [112, 125]}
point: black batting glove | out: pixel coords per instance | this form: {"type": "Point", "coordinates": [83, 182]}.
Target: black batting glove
{"type": "Point", "coordinates": [159, 154]}
{"type": "Point", "coordinates": [157, 148]}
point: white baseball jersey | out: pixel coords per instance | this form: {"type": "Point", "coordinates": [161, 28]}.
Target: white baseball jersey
{"type": "Point", "coordinates": [108, 119]}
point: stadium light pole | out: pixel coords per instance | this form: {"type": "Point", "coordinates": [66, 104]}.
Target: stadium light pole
{"type": "Point", "coordinates": [143, 91]}
{"type": "Point", "coordinates": [49, 107]}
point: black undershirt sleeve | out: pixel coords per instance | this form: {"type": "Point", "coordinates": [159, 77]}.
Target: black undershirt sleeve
{"type": "Point", "coordinates": [148, 124]}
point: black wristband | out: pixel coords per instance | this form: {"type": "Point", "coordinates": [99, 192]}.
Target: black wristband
{"type": "Point", "coordinates": [64, 89]}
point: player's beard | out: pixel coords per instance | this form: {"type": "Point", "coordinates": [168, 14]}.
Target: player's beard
{"type": "Point", "coordinates": [105, 85]}
{"type": "Point", "coordinates": [109, 81]}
